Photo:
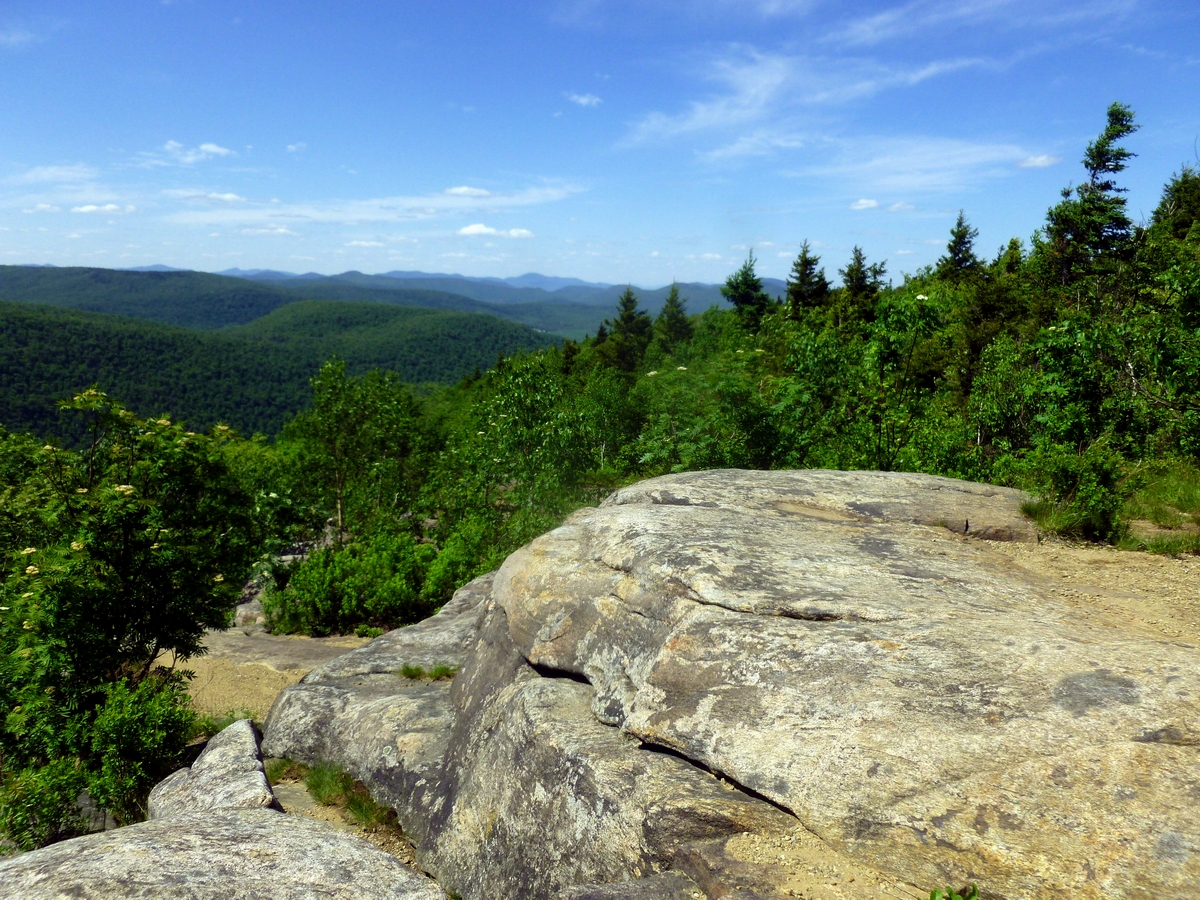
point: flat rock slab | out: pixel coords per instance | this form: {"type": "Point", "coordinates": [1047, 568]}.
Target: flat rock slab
{"type": "Point", "coordinates": [827, 641]}
{"type": "Point", "coordinates": [240, 855]}
{"type": "Point", "coordinates": [228, 774]}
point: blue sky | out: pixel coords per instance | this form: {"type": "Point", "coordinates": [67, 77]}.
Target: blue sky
{"type": "Point", "coordinates": [612, 140]}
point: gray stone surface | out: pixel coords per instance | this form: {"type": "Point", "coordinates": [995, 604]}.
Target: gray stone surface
{"type": "Point", "coordinates": [835, 644]}
{"type": "Point", "coordinates": [914, 700]}
{"type": "Point", "coordinates": [253, 854]}
{"type": "Point", "coordinates": [668, 886]}
{"type": "Point", "coordinates": [505, 781]}
{"type": "Point", "coordinates": [228, 774]}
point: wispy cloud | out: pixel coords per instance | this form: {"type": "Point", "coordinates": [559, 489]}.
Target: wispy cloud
{"type": "Point", "coordinates": [584, 99]}
{"type": "Point", "coordinates": [297, 147]}
{"type": "Point", "coordinates": [900, 207]}
{"type": "Point", "coordinates": [929, 16]}
{"type": "Point", "coordinates": [767, 99]}
{"type": "Point", "coordinates": [484, 230]}
{"type": "Point", "coordinates": [43, 208]}
{"type": "Point", "coordinates": [16, 37]}
{"type": "Point", "coordinates": [865, 204]}
{"type": "Point", "coordinates": [55, 175]}
{"type": "Point", "coordinates": [371, 210]}
{"type": "Point", "coordinates": [277, 230]}
{"type": "Point", "coordinates": [465, 191]}
{"type": "Point", "coordinates": [916, 165]}
{"type": "Point", "coordinates": [175, 153]}
{"type": "Point", "coordinates": [107, 208]}
{"type": "Point", "coordinates": [1039, 162]}
{"type": "Point", "coordinates": [365, 244]}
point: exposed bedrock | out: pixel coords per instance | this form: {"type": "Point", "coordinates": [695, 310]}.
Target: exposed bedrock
{"type": "Point", "coordinates": [830, 644]}
{"type": "Point", "coordinates": [215, 833]}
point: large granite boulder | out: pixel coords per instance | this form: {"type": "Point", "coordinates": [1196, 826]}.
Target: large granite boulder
{"type": "Point", "coordinates": [215, 834]}
{"type": "Point", "coordinates": [712, 653]}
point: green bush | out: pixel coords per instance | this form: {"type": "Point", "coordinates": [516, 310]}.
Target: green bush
{"type": "Point", "coordinates": [1080, 492]}
{"type": "Point", "coordinates": [137, 740]}
{"type": "Point", "coordinates": [37, 804]}
{"type": "Point", "coordinates": [109, 558]}
{"type": "Point", "coordinates": [375, 581]}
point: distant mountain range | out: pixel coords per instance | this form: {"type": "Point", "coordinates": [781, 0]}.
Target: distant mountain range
{"type": "Point", "coordinates": [567, 306]}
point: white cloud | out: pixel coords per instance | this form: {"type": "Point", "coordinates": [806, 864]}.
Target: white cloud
{"type": "Point", "coordinates": [465, 191]}
{"type": "Point", "coordinates": [277, 230]}
{"type": "Point", "coordinates": [226, 198]}
{"type": "Point", "coordinates": [93, 208]}
{"type": "Point", "coordinates": [367, 211]}
{"type": "Point", "coordinates": [43, 207]}
{"type": "Point", "coordinates": [1039, 162]}
{"type": "Point", "coordinates": [864, 204]}
{"type": "Point", "coordinates": [480, 229]}
{"type": "Point", "coordinates": [183, 156]}
{"type": "Point", "coordinates": [55, 175]}
{"type": "Point", "coordinates": [917, 164]}
{"type": "Point", "coordinates": [900, 207]}
{"type": "Point", "coordinates": [365, 244]}
{"type": "Point", "coordinates": [297, 147]}
{"type": "Point", "coordinates": [904, 253]}
{"type": "Point", "coordinates": [584, 99]}
{"type": "Point", "coordinates": [710, 255]}
{"type": "Point", "coordinates": [927, 17]}
{"type": "Point", "coordinates": [777, 93]}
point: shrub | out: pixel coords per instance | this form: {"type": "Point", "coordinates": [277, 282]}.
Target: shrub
{"type": "Point", "coordinates": [137, 738]}
{"type": "Point", "coordinates": [109, 558]}
{"type": "Point", "coordinates": [375, 581]}
{"type": "Point", "coordinates": [1079, 491]}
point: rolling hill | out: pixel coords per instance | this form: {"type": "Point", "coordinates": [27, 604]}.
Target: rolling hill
{"type": "Point", "coordinates": [252, 377]}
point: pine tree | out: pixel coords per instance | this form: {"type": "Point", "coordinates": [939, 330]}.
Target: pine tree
{"type": "Point", "coordinates": [672, 327]}
{"type": "Point", "coordinates": [807, 286]}
{"type": "Point", "coordinates": [861, 284]}
{"type": "Point", "coordinates": [960, 260]}
{"type": "Point", "coordinates": [1179, 209]}
{"type": "Point", "coordinates": [744, 290]}
{"type": "Point", "coordinates": [1090, 226]}
{"type": "Point", "coordinates": [631, 332]}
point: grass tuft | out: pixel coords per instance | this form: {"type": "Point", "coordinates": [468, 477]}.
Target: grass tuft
{"type": "Point", "coordinates": [436, 673]}
{"type": "Point", "coordinates": [284, 769]}
{"type": "Point", "coordinates": [209, 724]}
{"type": "Point", "coordinates": [328, 785]}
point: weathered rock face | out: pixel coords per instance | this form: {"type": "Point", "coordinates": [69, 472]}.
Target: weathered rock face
{"type": "Point", "coordinates": [228, 774]}
{"type": "Point", "coordinates": [249, 854]}
{"type": "Point", "coordinates": [215, 834]}
{"type": "Point", "coordinates": [827, 641]}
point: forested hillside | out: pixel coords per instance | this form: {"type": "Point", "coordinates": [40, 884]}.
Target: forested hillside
{"type": "Point", "coordinates": [252, 377]}
{"type": "Point", "coordinates": [200, 300]}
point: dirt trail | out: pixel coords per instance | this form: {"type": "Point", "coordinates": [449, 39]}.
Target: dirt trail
{"type": "Point", "coordinates": [246, 668]}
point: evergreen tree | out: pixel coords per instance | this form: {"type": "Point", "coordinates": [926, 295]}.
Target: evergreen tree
{"type": "Point", "coordinates": [631, 333]}
{"type": "Point", "coordinates": [1090, 229]}
{"type": "Point", "coordinates": [745, 291]}
{"type": "Point", "coordinates": [960, 260]}
{"type": "Point", "coordinates": [1179, 208]}
{"type": "Point", "coordinates": [807, 286]}
{"type": "Point", "coordinates": [672, 327]}
{"type": "Point", "coordinates": [861, 284]}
